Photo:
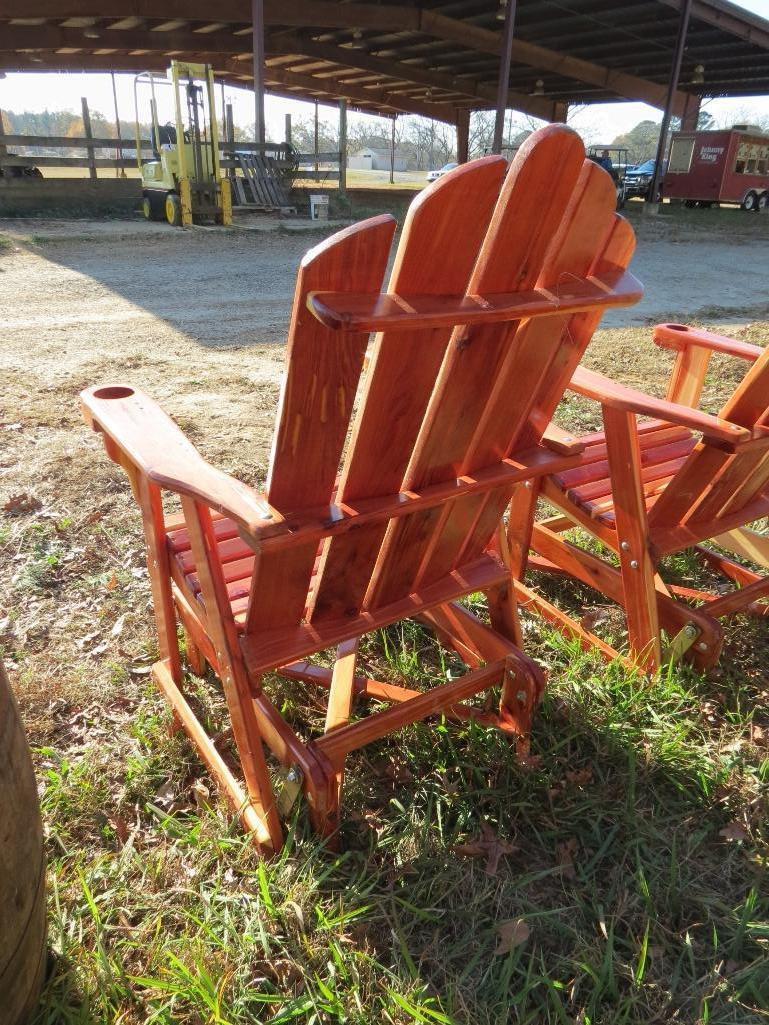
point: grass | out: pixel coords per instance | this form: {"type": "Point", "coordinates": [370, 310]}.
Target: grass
{"type": "Point", "coordinates": [631, 884]}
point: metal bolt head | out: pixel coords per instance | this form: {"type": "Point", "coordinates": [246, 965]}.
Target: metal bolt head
{"type": "Point", "coordinates": [521, 697]}
{"type": "Point", "coordinates": [634, 563]}
{"type": "Point", "coordinates": [527, 483]}
{"type": "Point", "coordinates": [625, 546]}
{"type": "Point", "coordinates": [702, 646]}
{"type": "Point", "coordinates": [294, 774]}
{"type": "Point", "coordinates": [691, 630]}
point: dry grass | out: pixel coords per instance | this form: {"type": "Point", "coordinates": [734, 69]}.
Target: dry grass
{"type": "Point", "coordinates": [636, 838]}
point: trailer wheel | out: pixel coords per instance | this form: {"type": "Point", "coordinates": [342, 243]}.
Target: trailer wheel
{"type": "Point", "coordinates": [763, 201]}
{"type": "Point", "coordinates": [750, 202]}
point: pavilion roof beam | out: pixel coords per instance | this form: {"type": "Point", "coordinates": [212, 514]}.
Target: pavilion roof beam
{"type": "Point", "coordinates": [329, 14]}
{"type": "Point", "coordinates": [728, 17]}
{"type": "Point", "coordinates": [399, 69]}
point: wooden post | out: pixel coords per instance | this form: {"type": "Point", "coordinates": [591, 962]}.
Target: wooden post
{"type": "Point", "coordinates": [691, 113]}
{"type": "Point", "coordinates": [560, 112]}
{"type": "Point", "coordinates": [342, 147]}
{"type": "Point", "coordinates": [503, 85]}
{"type": "Point", "coordinates": [288, 129]}
{"type": "Point", "coordinates": [119, 171]}
{"type": "Point", "coordinates": [257, 20]}
{"type": "Point", "coordinates": [652, 205]}
{"type": "Point", "coordinates": [89, 135]}
{"type": "Point", "coordinates": [230, 135]}
{"type": "Point", "coordinates": [224, 113]}
{"type": "Point", "coordinates": [463, 135]}
{"type": "Point", "coordinates": [3, 147]}
{"type": "Point", "coordinates": [392, 151]}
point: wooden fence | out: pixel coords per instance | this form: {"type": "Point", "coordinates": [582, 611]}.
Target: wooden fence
{"type": "Point", "coordinates": [100, 153]}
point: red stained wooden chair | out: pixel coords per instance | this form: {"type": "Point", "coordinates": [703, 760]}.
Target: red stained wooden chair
{"type": "Point", "coordinates": [675, 480]}
{"type": "Point", "coordinates": [498, 284]}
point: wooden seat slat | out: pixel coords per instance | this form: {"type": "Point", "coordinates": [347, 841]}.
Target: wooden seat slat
{"type": "Point", "coordinates": [591, 485]}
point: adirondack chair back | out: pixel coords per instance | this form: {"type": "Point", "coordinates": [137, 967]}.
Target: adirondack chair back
{"type": "Point", "coordinates": [438, 403]}
{"type": "Point", "coordinates": [714, 484]}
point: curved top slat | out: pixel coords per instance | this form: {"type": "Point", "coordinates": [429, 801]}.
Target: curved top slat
{"type": "Point", "coordinates": [323, 369]}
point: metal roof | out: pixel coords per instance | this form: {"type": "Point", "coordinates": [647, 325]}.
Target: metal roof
{"type": "Point", "coordinates": [424, 58]}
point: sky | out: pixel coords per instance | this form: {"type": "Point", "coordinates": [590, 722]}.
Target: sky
{"type": "Point", "coordinates": [601, 122]}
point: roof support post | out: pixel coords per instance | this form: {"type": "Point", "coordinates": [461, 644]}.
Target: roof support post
{"type": "Point", "coordinates": [257, 18]}
{"type": "Point", "coordinates": [463, 135]}
{"type": "Point", "coordinates": [560, 112]}
{"type": "Point", "coordinates": [342, 147]}
{"type": "Point", "coordinates": [691, 114]}
{"type": "Point", "coordinates": [503, 85]}
{"type": "Point", "coordinates": [652, 204]}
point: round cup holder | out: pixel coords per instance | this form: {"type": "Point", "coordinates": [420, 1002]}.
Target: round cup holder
{"type": "Point", "coordinates": [113, 392]}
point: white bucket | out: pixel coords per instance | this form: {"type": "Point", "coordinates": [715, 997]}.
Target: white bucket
{"type": "Point", "coordinates": [319, 208]}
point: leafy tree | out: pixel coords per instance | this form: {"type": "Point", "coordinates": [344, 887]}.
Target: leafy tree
{"type": "Point", "coordinates": [641, 141]}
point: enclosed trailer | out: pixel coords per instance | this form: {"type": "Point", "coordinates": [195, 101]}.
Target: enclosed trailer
{"type": "Point", "coordinates": [726, 166]}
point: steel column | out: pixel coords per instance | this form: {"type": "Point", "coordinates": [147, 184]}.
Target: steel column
{"type": "Point", "coordinates": [503, 86]}
{"type": "Point", "coordinates": [675, 71]}
{"type": "Point", "coordinates": [463, 135]}
{"type": "Point", "coordinates": [257, 19]}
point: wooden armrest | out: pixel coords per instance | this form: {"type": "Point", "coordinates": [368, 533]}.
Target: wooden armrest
{"type": "Point", "coordinates": [347, 311]}
{"type": "Point", "coordinates": [678, 336]}
{"type": "Point", "coordinates": [610, 393]}
{"type": "Point", "coordinates": [140, 436]}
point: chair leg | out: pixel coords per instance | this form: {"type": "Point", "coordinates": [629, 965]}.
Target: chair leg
{"type": "Point", "coordinates": [638, 569]}
{"type": "Point", "coordinates": [340, 701]}
{"type": "Point", "coordinates": [195, 657]}
{"type": "Point", "coordinates": [522, 687]}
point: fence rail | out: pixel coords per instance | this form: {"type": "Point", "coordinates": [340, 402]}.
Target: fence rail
{"type": "Point", "coordinates": [322, 167]}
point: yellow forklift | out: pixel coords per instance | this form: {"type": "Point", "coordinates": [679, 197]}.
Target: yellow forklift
{"type": "Point", "coordinates": [182, 182]}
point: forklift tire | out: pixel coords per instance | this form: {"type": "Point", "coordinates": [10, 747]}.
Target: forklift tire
{"type": "Point", "coordinates": [174, 210]}
{"type": "Point", "coordinates": [151, 207]}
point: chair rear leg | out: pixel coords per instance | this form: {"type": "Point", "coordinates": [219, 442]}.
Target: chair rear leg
{"type": "Point", "coordinates": [195, 656]}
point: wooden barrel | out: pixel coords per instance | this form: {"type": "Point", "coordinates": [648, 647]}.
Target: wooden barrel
{"type": "Point", "coordinates": [22, 870]}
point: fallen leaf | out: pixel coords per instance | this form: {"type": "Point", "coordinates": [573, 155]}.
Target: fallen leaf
{"type": "Point", "coordinates": [564, 854]}
{"type": "Point", "coordinates": [734, 831]}
{"type": "Point", "coordinates": [165, 794]}
{"type": "Point", "coordinates": [202, 794]}
{"type": "Point", "coordinates": [580, 777]}
{"type": "Point", "coordinates": [511, 933]}
{"type": "Point", "coordinates": [487, 846]}
{"type": "Point", "coordinates": [117, 629]}
{"type": "Point", "coordinates": [11, 427]}
{"type": "Point", "coordinates": [112, 582]}
{"type": "Point", "coordinates": [120, 827]}
{"type": "Point", "coordinates": [17, 505]}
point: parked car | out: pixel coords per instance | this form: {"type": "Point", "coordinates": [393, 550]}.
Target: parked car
{"type": "Point", "coordinates": [433, 176]}
{"type": "Point", "coordinates": [638, 179]}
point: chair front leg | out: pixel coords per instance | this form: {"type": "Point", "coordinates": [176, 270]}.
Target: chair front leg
{"type": "Point", "coordinates": [636, 562]}
{"type": "Point", "coordinates": [340, 702]}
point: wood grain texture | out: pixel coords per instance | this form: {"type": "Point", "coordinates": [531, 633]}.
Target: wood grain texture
{"type": "Point", "coordinates": [22, 869]}
{"type": "Point", "coordinates": [451, 216]}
